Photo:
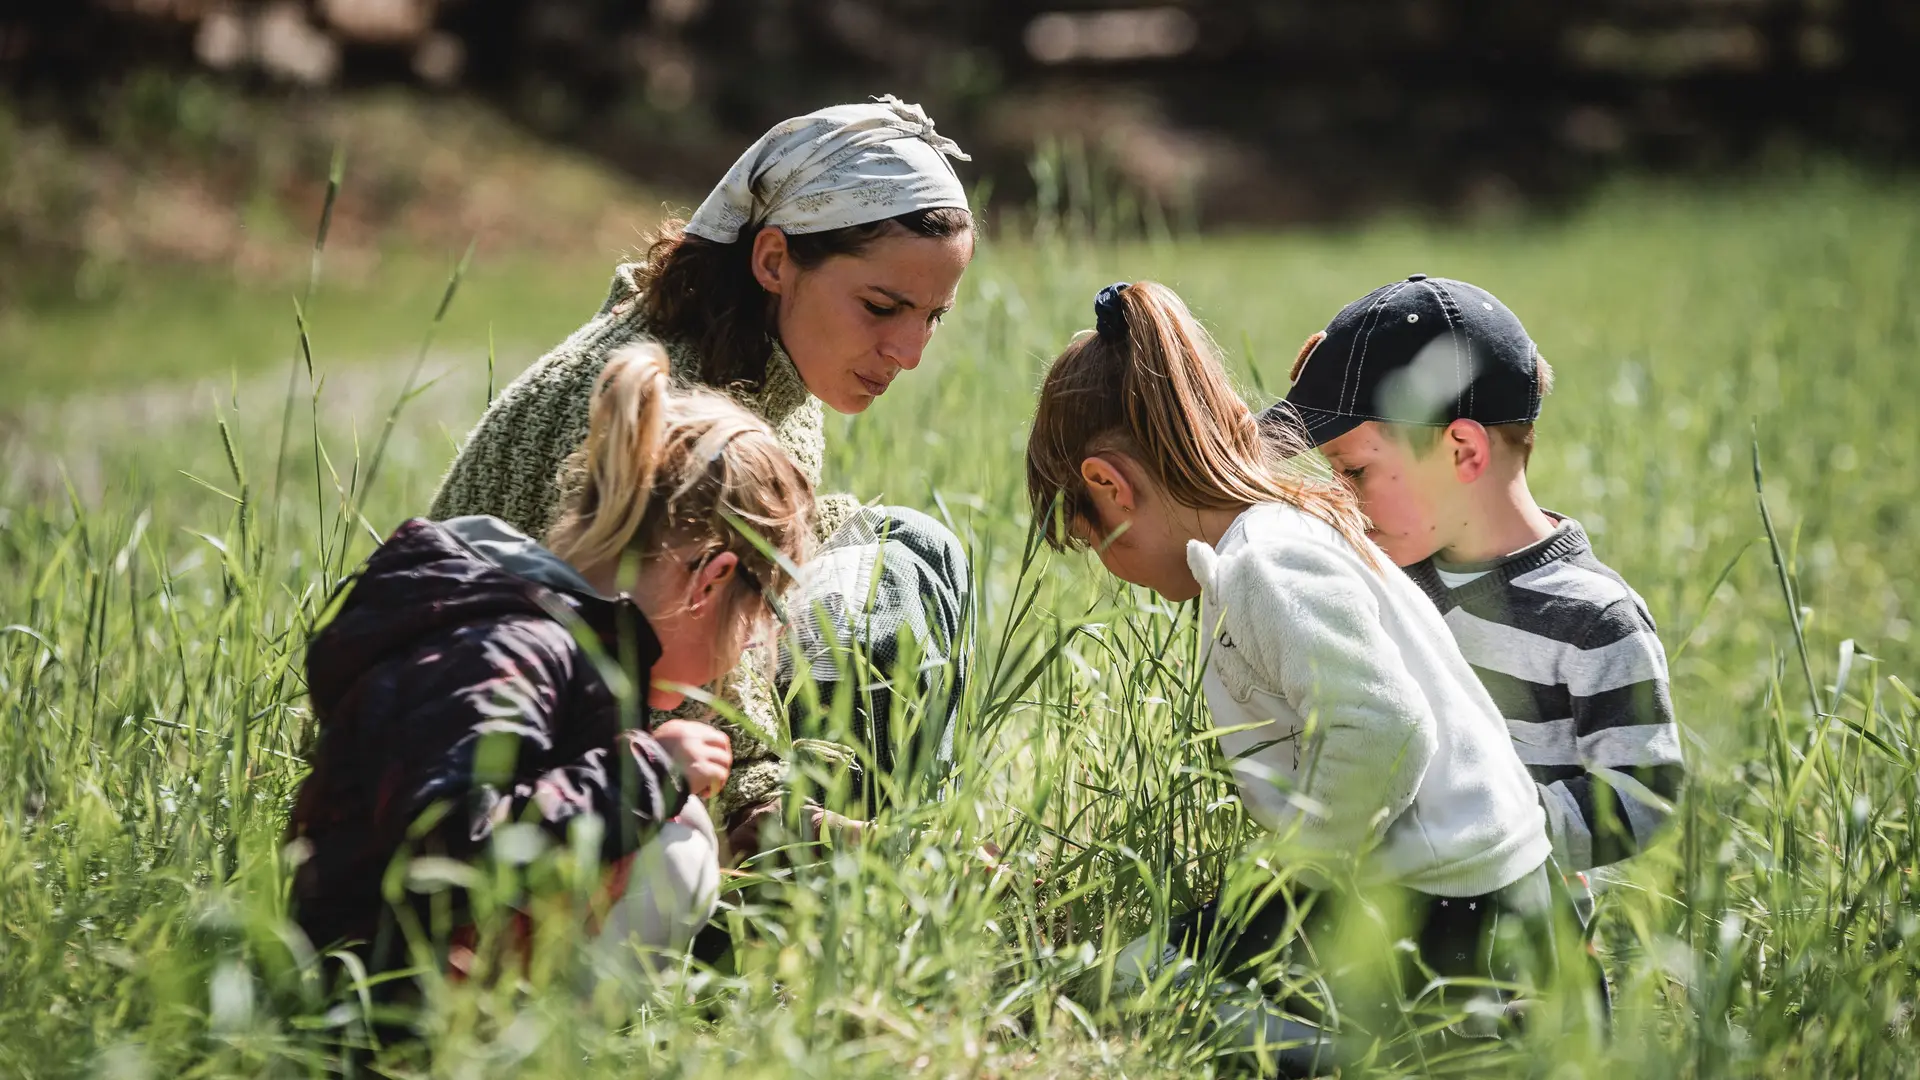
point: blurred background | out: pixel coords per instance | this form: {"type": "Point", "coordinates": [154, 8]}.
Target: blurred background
{"type": "Point", "coordinates": [163, 164]}
{"type": "Point", "coordinates": [139, 133]}
{"type": "Point", "coordinates": [1706, 211]}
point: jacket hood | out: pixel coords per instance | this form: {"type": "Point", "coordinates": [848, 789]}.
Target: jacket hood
{"type": "Point", "coordinates": [518, 554]}
{"type": "Point", "coordinates": [433, 577]}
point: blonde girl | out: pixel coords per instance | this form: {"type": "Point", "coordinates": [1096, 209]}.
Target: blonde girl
{"type": "Point", "coordinates": [468, 678]}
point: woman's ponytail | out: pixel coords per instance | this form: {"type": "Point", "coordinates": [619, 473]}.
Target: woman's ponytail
{"type": "Point", "coordinates": [620, 458]}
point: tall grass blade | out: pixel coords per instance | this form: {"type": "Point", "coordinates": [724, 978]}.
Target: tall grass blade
{"type": "Point", "coordinates": [407, 390]}
{"type": "Point", "coordinates": [336, 172]}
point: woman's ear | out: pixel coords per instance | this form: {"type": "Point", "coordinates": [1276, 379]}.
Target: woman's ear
{"type": "Point", "coordinates": [711, 580]}
{"type": "Point", "coordinates": [772, 264]}
{"type": "Point", "coordinates": [1107, 483]}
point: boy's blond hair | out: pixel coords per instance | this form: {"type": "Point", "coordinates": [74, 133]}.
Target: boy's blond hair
{"type": "Point", "coordinates": [1422, 438]}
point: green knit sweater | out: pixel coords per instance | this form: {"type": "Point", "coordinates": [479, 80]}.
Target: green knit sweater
{"type": "Point", "coordinates": [512, 464]}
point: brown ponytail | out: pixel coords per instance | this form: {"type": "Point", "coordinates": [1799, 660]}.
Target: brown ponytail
{"type": "Point", "coordinates": [1159, 394]}
{"type": "Point", "coordinates": [675, 469]}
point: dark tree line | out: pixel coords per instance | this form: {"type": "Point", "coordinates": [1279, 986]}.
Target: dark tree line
{"type": "Point", "coordinates": [1297, 108]}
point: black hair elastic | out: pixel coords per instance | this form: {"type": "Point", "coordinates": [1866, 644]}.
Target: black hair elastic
{"type": "Point", "coordinates": [1109, 321]}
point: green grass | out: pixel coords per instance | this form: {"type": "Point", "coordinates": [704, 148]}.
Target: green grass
{"type": "Point", "coordinates": [151, 709]}
{"type": "Point", "coordinates": [171, 325]}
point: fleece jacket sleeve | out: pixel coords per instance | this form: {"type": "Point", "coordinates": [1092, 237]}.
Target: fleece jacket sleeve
{"type": "Point", "coordinates": [490, 735]}
{"type": "Point", "coordinates": [1306, 621]}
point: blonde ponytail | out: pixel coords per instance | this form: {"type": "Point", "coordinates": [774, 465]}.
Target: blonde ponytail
{"type": "Point", "coordinates": [1158, 393]}
{"type": "Point", "coordinates": [684, 470]}
{"type": "Point", "coordinates": [619, 459]}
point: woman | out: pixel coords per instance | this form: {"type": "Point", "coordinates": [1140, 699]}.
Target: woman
{"type": "Point", "coordinates": [814, 273]}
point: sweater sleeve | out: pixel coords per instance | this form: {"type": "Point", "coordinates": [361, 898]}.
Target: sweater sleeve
{"type": "Point", "coordinates": [1303, 616]}
{"type": "Point", "coordinates": [758, 772]}
{"type": "Point", "coordinates": [1629, 745]}
{"type": "Point", "coordinates": [510, 465]}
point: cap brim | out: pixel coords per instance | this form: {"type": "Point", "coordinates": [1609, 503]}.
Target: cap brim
{"type": "Point", "coordinates": [1319, 425]}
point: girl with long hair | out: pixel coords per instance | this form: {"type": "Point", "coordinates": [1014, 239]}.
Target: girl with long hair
{"type": "Point", "coordinates": [1355, 730]}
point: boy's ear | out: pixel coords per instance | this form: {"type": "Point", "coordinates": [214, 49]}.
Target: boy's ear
{"type": "Point", "coordinates": [1470, 447]}
{"type": "Point", "coordinates": [1306, 350]}
{"type": "Point", "coordinates": [1107, 483]}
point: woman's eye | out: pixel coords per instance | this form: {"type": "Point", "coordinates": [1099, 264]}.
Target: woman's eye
{"type": "Point", "coordinates": [876, 309]}
{"type": "Point", "coordinates": [1354, 474]}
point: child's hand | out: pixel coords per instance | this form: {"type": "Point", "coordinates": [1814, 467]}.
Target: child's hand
{"type": "Point", "coordinates": [836, 827]}
{"type": "Point", "coordinates": [701, 751]}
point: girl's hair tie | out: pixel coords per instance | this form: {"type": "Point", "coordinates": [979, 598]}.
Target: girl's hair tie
{"type": "Point", "coordinates": [1109, 321]}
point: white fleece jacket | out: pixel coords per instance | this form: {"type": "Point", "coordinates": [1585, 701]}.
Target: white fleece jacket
{"type": "Point", "coordinates": [1364, 726]}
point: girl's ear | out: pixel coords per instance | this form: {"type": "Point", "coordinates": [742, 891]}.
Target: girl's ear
{"type": "Point", "coordinates": [711, 580]}
{"type": "Point", "coordinates": [772, 265]}
{"type": "Point", "coordinates": [1107, 482]}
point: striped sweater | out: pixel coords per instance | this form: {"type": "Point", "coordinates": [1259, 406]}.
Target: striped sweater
{"type": "Point", "coordinates": [1570, 655]}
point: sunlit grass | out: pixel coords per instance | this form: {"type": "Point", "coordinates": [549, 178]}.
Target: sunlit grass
{"type": "Point", "coordinates": [152, 713]}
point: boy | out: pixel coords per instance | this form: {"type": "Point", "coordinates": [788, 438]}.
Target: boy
{"type": "Point", "coordinates": [1423, 394]}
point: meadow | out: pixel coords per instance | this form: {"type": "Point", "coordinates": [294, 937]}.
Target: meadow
{"type": "Point", "coordinates": [1733, 424]}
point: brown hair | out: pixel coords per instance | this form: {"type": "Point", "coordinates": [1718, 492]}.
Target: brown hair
{"type": "Point", "coordinates": [1160, 395]}
{"type": "Point", "coordinates": [704, 293]}
{"type": "Point", "coordinates": [665, 469]}
{"type": "Point", "coordinates": [1422, 438]}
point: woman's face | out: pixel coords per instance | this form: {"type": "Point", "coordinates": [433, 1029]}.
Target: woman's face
{"type": "Point", "coordinates": [855, 322]}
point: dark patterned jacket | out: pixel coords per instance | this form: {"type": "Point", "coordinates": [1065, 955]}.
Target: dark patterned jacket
{"type": "Point", "coordinates": [451, 692]}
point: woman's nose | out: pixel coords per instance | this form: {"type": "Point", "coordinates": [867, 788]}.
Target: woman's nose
{"type": "Point", "coordinates": [905, 347]}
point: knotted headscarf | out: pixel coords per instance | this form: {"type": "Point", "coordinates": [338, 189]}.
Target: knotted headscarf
{"type": "Point", "coordinates": [840, 166]}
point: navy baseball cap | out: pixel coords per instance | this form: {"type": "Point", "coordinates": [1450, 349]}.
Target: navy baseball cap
{"type": "Point", "coordinates": [1420, 351]}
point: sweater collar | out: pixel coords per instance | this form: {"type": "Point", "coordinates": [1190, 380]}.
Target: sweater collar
{"type": "Point", "coordinates": [1567, 538]}
{"type": "Point", "coordinates": [783, 391]}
